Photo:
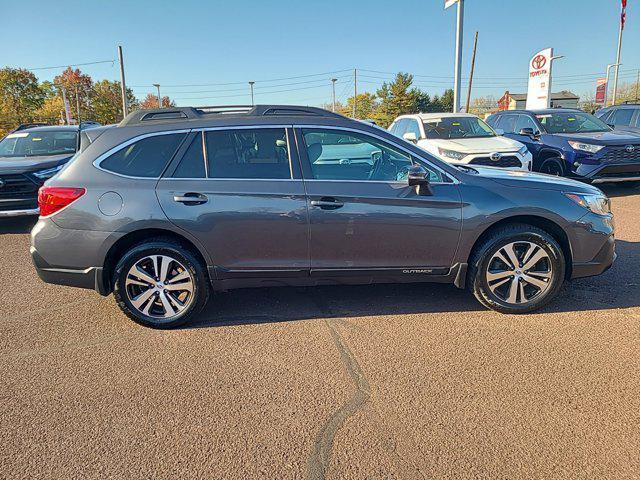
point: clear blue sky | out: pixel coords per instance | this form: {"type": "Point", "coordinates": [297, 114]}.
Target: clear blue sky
{"type": "Point", "coordinates": [226, 41]}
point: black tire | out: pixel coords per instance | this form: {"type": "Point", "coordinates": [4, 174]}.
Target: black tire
{"type": "Point", "coordinates": [178, 252]}
{"type": "Point", "coordinates": [479, 264]}
{"type": "Point", "coordinates": [551, 166]}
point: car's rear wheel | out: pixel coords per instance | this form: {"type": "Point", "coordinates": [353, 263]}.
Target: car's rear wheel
{"type": "Point", "coordinates": [160, 284]}
{"type": "Point", "coordinates": [552, 166]}
{"type": "Point", "coordinates": [517, 269]}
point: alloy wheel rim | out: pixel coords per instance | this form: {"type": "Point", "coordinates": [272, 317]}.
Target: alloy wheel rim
{"type": "Point", "coordinates": [551, 168]}
{"type": "Point", "coordinates": [519, 272]}
{"type": "Point", "coordinates": [160, 287]}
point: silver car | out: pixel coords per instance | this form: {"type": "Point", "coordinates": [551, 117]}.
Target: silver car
{"type": "Point", "coordinates": [173, 204]}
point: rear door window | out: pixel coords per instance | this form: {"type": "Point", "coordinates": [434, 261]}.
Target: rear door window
{"type": "Point", "coordinates": [622, 117]}
{"type": "Point", "coordinates": [192, 163]}
{"type": "Point", "coordinates": [259, 153]}
{"type": "Point", "coordinates": [146, 157]}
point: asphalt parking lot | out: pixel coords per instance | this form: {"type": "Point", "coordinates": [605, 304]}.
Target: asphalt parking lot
{"type": "Point", "coordinates": [383, 381]}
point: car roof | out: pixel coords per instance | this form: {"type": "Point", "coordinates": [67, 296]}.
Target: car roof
{"type": "Point", "coordinates": [53, 128]}
{"type": "Point", "coordinates": [432, 115]}
{"type": "Point", "coordinates": [542, 111]}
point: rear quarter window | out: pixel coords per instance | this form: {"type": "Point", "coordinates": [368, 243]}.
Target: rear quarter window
{"type": "Point", "coordinates": [146, 157]}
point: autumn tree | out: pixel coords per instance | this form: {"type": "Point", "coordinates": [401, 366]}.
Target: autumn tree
{"type": "Point", "coordinates": [151, 101]}
{"type": "Point", "coordinates": [78, 88]}
{"type": "Point", "coordinates": [365, 106]}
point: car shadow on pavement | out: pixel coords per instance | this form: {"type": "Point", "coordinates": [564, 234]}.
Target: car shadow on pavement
{"type": "Point", "coordinates": [617, 288]}
{"type": "Point", "coordinates": [17, 225]}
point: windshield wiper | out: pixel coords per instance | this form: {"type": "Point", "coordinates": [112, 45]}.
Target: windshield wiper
{"type": "Point", "coordinates": [466, 168]}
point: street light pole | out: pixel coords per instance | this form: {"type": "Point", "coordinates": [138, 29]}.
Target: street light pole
{"type": "Point", "coordinates": [251, 87]}
{"type": "Point", "coordinates": [606, 90]}
{"type": "Point", "coordinates": [333, 86]}
{"type": "Point", "coordinates": [157, 85]}
{"type": "Point", "coordinates": [458, 64]}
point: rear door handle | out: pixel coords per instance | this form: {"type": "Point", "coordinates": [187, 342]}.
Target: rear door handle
{"type": "Point", "coordinates": [327, 203]}
{"type": "Point", "coordinates": [191, 198]}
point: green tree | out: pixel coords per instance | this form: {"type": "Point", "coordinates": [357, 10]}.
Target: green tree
{"type": "Point", "coordinates": [106, 101]}
{"type": "Point", "coordinates": [20, 97]}
{"type": "Point", "coordinates": [397, 98]}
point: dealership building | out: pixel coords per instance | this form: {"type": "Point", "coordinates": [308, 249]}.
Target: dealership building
{"type": "Point", "coordinates": [518, 101]}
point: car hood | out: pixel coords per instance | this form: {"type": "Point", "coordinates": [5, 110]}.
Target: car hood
{"type": "Point", "coordinates": [31, 164]}
{"type": "Point", "coordinates": [615, 137]}
{"type": "Point", "coordinates": [479, 145]}
{"type": "Point", "coordinates": [523, 179]}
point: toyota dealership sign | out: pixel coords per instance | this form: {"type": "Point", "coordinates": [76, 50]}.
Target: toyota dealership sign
{"type": "Point", "coordinates": [539, 91]}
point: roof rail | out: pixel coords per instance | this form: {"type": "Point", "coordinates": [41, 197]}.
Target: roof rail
{"type": "Point", "coordinates": [173, 114]}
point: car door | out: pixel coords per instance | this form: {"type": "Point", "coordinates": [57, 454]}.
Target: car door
{"type": "Point", "coordinates": [239, 192]}
{"type": "Point", "coordinates": [364, 218]}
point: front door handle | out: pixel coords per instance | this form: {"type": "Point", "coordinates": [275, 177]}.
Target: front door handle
{"type": "Point", "coordinates": [191, 198]}
{"type": "Point", "coordinates": [327, 203]}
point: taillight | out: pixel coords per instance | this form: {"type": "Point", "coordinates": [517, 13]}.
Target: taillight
{"type": "Point", "coordinates": [53, 199]}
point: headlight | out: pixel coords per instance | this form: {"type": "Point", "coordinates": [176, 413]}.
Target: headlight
{"type": "Point", "coordinates": [596, 203]}
{"type": "Point", "coordinates": [585, 147]}
{"type": "Point", "coordinates": [523, 151]}
{"type": "Point", "coordinates": [451, 154]}
{"type": "Point", "coordinates": [48, 172]}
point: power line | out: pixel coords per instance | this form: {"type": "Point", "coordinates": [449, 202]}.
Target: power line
{"type": "Point", "coordinates": [112, 62]}
{"type": "Point", "coordinates": [244, 81]}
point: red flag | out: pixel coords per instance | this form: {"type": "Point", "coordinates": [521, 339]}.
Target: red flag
{"type": "Point", "coordinates": [623, 14]}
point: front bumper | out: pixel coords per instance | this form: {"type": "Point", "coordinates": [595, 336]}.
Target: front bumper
{"type": "Point", "coordinates": [593, 248]}
{"type": "Point", "coordinates": [612, 164]}
{"type": "Point", "coordinates": [508, 161]}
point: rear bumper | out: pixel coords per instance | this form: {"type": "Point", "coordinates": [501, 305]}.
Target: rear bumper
{"type": "Point", "coordinates": [90, 277]}
{"type": "Point", "coordinates": [19, 212]}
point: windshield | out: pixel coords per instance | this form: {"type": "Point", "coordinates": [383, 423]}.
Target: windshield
{"type": "Point", "coordinates": [34, 144]}
{"type": "Point", "coordinates": [456, 127]}
{"type": "Point", "coordinates": [572, 122]}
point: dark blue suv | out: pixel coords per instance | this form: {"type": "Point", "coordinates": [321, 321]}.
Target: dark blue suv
{"type": "Point", "coordinates": [573, 143]}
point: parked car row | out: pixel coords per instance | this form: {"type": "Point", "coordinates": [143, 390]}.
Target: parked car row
{"type": "Point", "coordinates": [32, 154]}
{"type": "Point", "coordinates": [174, 203]}
{"type": "Point", "coordinates": [561, 142]}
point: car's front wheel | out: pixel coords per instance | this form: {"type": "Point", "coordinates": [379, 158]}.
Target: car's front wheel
{"type": "Point", "coordinates": [517, 269]}
{"type": "Point", "coordinates": [160, 284]}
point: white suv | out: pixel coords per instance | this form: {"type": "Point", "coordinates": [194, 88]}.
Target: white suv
{"type": "Point", "coordinates": [462, 138]}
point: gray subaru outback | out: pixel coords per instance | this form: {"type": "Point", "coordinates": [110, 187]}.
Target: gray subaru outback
{"type": "Point", "coordinates": [173, 204]}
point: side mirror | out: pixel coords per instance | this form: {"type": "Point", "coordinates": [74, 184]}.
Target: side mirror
{"type": "Point", "coordinates": [529, 132]}
{"type": "Point", "coordinates": [498, 131]}
{"type": "Point", "coordinates": [410, 137]}
{"type": "Point", "coordinates": [418, 176]}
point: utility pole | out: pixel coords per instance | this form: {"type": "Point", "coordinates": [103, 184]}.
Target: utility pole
{"type": "Point", "coordinates": [615, 76]}
{"type": "Point", "coordinates": [637, 86]}
{"type": "Point", "coordinates": [251, 87]}
{"type": "Point", "coordinates": [123, 87]}
{"type": "Point", "coordinates": [606, 91]}
{"type": "Point", "coordinates": [458, 64]}
{"type": "Point", "coordinates": [473, 65]}
{"type": "Point", "coordinates": [157, 85]}
{"type": "Point", "coordinates": [355, 92]}
{"type": "Point", "coordinates": [78, 105]}
{"type": "Point", "coordinates": [333, 101]}
{"type": "Point", "coordinates": [65, 101]}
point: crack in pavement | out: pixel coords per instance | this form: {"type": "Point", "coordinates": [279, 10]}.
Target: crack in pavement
{"type": "Point", "coordinates": [323, 446]}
